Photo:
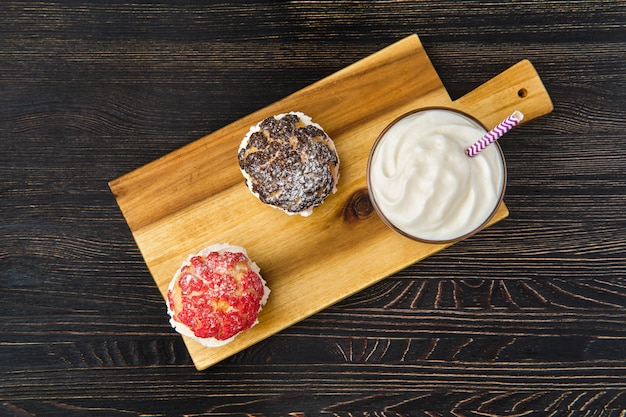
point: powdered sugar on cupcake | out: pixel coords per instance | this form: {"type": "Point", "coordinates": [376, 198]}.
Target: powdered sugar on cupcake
{"type": "Point", "coordinates": [289, 163]}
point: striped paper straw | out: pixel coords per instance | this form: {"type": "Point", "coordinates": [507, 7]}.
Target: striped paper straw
{"type": "Point", "coordinates": [495, 133]}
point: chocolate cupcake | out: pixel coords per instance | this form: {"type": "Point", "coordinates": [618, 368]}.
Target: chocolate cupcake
{"type": "Point", "coordinates": [289, 163]}
{"type": "Point", "coordinates": [216, 294]}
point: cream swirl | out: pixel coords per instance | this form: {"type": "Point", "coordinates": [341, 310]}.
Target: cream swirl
{"type": "Point", "coordinates": [424, 183]}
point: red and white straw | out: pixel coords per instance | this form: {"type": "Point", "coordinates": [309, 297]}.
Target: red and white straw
{"type": "Point", "coordinates": [495, 133]}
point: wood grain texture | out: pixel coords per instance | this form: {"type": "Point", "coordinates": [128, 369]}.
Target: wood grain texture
{"type": "Point", "coordinates": [195, 196]}
{"type": "Point", "coordinates": [527, 318]}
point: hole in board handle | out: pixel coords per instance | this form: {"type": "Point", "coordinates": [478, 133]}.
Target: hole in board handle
{"type": "Point", "coordinates": [522, 93]}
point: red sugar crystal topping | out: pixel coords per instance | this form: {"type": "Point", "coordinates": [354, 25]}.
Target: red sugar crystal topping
{"type": "Point", "coordinates": [220, 295]}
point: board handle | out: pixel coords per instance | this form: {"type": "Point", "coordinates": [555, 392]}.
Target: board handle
{"type": "Point", "coordinates": [517, 88]}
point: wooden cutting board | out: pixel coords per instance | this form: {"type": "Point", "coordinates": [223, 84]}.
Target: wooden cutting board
{"type": "Point", "coordinates": [196, 196]}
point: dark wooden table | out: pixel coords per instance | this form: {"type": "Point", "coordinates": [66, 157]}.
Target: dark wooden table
{"type": "Point", "coordinates": [527, 316]}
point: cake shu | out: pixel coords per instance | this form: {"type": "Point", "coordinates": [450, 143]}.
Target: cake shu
{"type": "Point", "coordinates": [216, 294]}
{"type": "Point", "coordinates": [289, 162]}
